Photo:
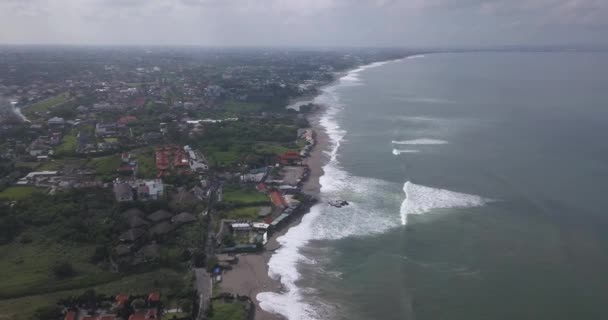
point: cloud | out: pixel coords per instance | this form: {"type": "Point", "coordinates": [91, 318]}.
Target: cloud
{"type": "Point", "coordinates": [299, 22]}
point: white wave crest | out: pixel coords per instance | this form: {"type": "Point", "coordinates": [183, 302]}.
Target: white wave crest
{"type": "Point", "coordinates": [423, 141]}
{"type": "Point", "coordinates": [418, 56]}
{"type": "Point", "coordinates": [400, 151]}
{"type": "Point", "coordinates": [283, 263]}
{"type": "Point", "coordinates": [420, 199]}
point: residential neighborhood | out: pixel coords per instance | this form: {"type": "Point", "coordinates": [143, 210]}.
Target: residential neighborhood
{"type": "Point", "coordinates": [151, 171]}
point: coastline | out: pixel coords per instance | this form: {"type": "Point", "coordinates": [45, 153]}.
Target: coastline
{"type": "Point", "coordinates": [250, 275]}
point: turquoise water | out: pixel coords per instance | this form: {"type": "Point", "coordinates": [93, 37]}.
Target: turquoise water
{"type": "Point", "coordinates": [476, 184]}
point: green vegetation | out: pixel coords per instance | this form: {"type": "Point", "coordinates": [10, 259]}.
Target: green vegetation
{"type": "Point", "coordinates": [168, 281]}
{"type": "Point", "coordinates": [249, 213]}
{"type": "Point", "coordinates": [39, 267]}
{"type": "Point", "coordinates": [242, 107]}
{"type": "Point", "coordinates": [146, 165]}
{"type": "Point", "coordinates": [67, 146]}
{"type": "Point", "coordinates": [105, 166]}
{"type": "Point", "coordinates": [242, 197]}
{"type": "Point", "coordinates": [225, 156]}
{"type": "Point", "coordinates": [46, 104]}
{"type": "Point", "coordinates": [269, 148]}
{"type": "Point", "coordinates": [18, 192]}
{"type": "Point", "coordinates": [223, 310]}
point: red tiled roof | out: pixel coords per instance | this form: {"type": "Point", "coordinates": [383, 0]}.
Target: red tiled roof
{"type": "Point", "coordinates": [137, 316]}
{"type": "Point", "coordinates": [290, 155]}
{"type": "Point", "coordinates": [277, 199]}
{"type": "Point", "coordinates": [126, 119]}
{"type": "Point", "coordinates": [122, 298]}
{"type": "Point", "coordinates": [71, 315]}
{"type": "Point", "coordinates": [154, 296]}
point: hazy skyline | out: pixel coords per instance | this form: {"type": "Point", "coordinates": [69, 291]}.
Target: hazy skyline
{"type": "Point", "coordinates": [304, 22]}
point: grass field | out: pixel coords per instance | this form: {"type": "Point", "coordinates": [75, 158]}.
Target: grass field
{"type": "Point", "coordinates": [244, 197]}
{"type": "Point", "coordinates": [18, 193]}
{"type": "Point", "coordinates": [228, 311]}
{"type": "Point", "coordinates": [250, 213]}
{"type": "Point", "coordinates": [162, 279]}
{"type": "Point", "coordinates": [146, 166]}
{"type": "Point", "coordinates": [67, 146]}
{"type": "Point", "coordinates": [45, 105]}
{"type": "Point", "coordinates": [27, 267]}
{"type": "Point", "coordinates": [107, 165]}
{"type": "Point", "coordinates": [269, 148]}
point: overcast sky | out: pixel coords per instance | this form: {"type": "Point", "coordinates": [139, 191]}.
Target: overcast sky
{"type": "Point", "coordinates": [305, 22]}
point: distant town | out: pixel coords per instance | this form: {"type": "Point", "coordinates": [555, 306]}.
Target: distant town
{"type": "Point", "coordinates": [132, 179]}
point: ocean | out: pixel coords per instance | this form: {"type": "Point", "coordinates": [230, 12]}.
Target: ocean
{"type": "Point", "coordinates": [476, 184]}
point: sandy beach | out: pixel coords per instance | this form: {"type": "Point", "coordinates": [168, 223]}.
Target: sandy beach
{"type": "Point", "coordinates": [250, 275]}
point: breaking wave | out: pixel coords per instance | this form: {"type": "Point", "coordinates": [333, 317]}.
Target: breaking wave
{"type": "Point", "coordinates": [335, 182]}
{"type": "Point", "coordinates": [400, 151]}
{"type": "Point", "coordinates": [420, 199]}
{"type": "Point", "coordinates": [423, 141]}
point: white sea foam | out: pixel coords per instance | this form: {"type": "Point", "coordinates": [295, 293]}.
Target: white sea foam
{"type": "Point", "coordinates": [418, 56]}
{"type": "Point", "coordinates": [420, 199]}
{"type": "Point", "coordinates": [400, 151]}
{"type": "Point", "coordinates": [423, 141]}
{"type": "Point", "coordinates": [357, 218]}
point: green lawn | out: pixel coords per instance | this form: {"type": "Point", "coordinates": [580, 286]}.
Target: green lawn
{"type": "Point", "coordinates": [18, 192]}
{"type": "Point", "coordinates": [46, 104]}
{"type": "Point", "coordinates": [106, 165]}
{"type": "Point", "coordinates": [244, 197]}
{"type": "Point", "coordinates": [67, 146]}
{"type": "Point", "coordinates": [250, 213]}
{"type": "Point", "coordinates": [26, 268]}
{"type": "Point", "coordinates": [146, 166]}
{"type": "Point", "coordinates": [228, 311]}
{"type": "Point", "coordinates": [269, 148]}
{"type": "Point", "coordinates": [219, 157]}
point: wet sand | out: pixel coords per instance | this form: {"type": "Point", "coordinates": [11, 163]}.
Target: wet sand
{"type": "Point", "coordinates": [250, 275]}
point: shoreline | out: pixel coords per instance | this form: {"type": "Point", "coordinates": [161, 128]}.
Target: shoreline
{"type": "Point", "coordinates": [250, 276]}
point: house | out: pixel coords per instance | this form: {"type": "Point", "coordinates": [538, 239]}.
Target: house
{"type": "Point", "coordinates": [123, 121]}
{"type": "Point", "coordinates": [160, 215]}
{"type": "Point", "coordinates": [131, 235]}
{"type": "Point", "coordinates": [56, 121]}
{"type": "Point", "coordinates": [196, 160]}
{"type": "Point", "coordinates": [150, 314]}
{"type": "Point", "coordinates": [71, 315]}
{"type": "Point", "coordinates": [122, 300]}
{"type": "Point", "coordinates": [277, 199]}
{"type": "Point", "coordinates": [149, 189]}
{"type": "Point", "coordinates": [290, 158]}
{"type": "Point", "coordinates": [105, 129]}
{"type": "Point", "coordinates": [162, 228]}
{"type": "Point", "coordinates": [137, 222]}
{"type": "Point", "coordinates": [123, 192]}
{"type": "Point", "coordinates": [154, 298]}
{"type": "Point", "coordinates": [184, 217]}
